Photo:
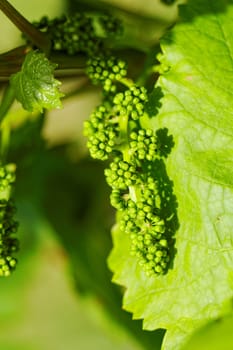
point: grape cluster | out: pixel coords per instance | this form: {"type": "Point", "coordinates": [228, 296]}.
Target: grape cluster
{"type": "Point", "coordinates": [106, 71]}
{"type": "Point", "coordinates": [143, 144]}
{"type": "Point", "coordinates": [141, 220]}
{"type": "Point", "coordinates": [111, 25]}
{"type": "Point", "coordinates": [117, 132]}
{"type": "Point", "coordinates": [78, 32]}
{"type": "Point", "coordinates": [7, 177]}
{"type": "Point", "coordinates": [101, 134]}
{"type": "Point", "coordinates": [8, 244]}
{"type": "Point", "coordinates": [121, 174]}
{"type": "Point", "coordinates": [114, 130]}
{"type": "Point", "coordinates": [131, 102]}
{"type": "Point", "coordinates": [70, 34]}
{"type": "Point", "coordinates": [8, 226]}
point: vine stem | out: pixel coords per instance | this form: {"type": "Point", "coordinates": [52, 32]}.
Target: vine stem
{"type": "Point", "coordinates": [11, 61]}
{"type": "Point", "coordinates": [7, 101]}
{"type": "Point", "coordinates": [125, 149]}
{"type": "Point", "coordinates": [60, 74]}
{"type": "Point", "coordinates": [37, 37]}
{"type": "Point", "coordinates": [5, 137]}
{"type": "Point", "coordinates": [126, 82]}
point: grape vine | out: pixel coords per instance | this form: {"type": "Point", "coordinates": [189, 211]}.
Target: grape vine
{"type": "Point", "coordinates": [114, 131]}
{"type": "Point", "coordinates": [146, 129]}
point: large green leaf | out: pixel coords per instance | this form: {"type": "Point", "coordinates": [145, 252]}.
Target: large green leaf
{"type": "Point", "coordinates": [196, 83]}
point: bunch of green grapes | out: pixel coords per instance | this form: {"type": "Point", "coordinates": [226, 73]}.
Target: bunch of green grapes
{"type": "Point", "coordinates": [79, 32]}
{"type": "Point", "coordinates": [114, 131]}
{"type": "Point", "coordinates": [8, 225]}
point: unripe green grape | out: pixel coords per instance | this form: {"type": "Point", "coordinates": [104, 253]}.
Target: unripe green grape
{"type": "Point", "coordinates": [163, 243]}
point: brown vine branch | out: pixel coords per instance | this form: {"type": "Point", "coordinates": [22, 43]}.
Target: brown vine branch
{"type": "Point", "coordinates": [38, 38]}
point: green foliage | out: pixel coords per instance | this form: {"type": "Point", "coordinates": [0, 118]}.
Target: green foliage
{"type": "Point", "coordinates": [164, 126]}
{"type": "Point", "coordinates": [35, 86]}
{"type": "Point", "coordinates": [196, 109]}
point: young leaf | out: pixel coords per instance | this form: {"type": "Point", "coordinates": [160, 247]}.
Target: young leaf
{"type": "Point", "coordinates": [197, 111]}
{"type": "Point", "coordinates": [35, 86]}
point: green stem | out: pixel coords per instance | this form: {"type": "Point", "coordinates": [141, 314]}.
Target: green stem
{"type": "Point", "coordinates": [5, 138]}
{"type": "Point", "coordinates": [123, 136]}
{"type": "Point", "coordinates": [123, 126]}
{"type": "Point", "coordinates": [7, 101]}
{"type": "Point", "coordinates": [127, 82]}
{"type": "Point", "coordinates": [133, 193]}
{"type": "Point", "coordinates": [37, 37]}
{"type": "Point", "coordinates": [147, 70]}
{"type": "Point", "coordinates": [125, 149]}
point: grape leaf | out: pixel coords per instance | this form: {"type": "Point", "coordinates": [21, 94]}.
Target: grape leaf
{"type": "Point", "coordinates": [197, 65]}
{"type": "Point", "coordinates": [35, 86]}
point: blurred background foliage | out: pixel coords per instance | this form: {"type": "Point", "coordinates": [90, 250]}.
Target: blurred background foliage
{"type": "Point", "coordinates": [61, 295]}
